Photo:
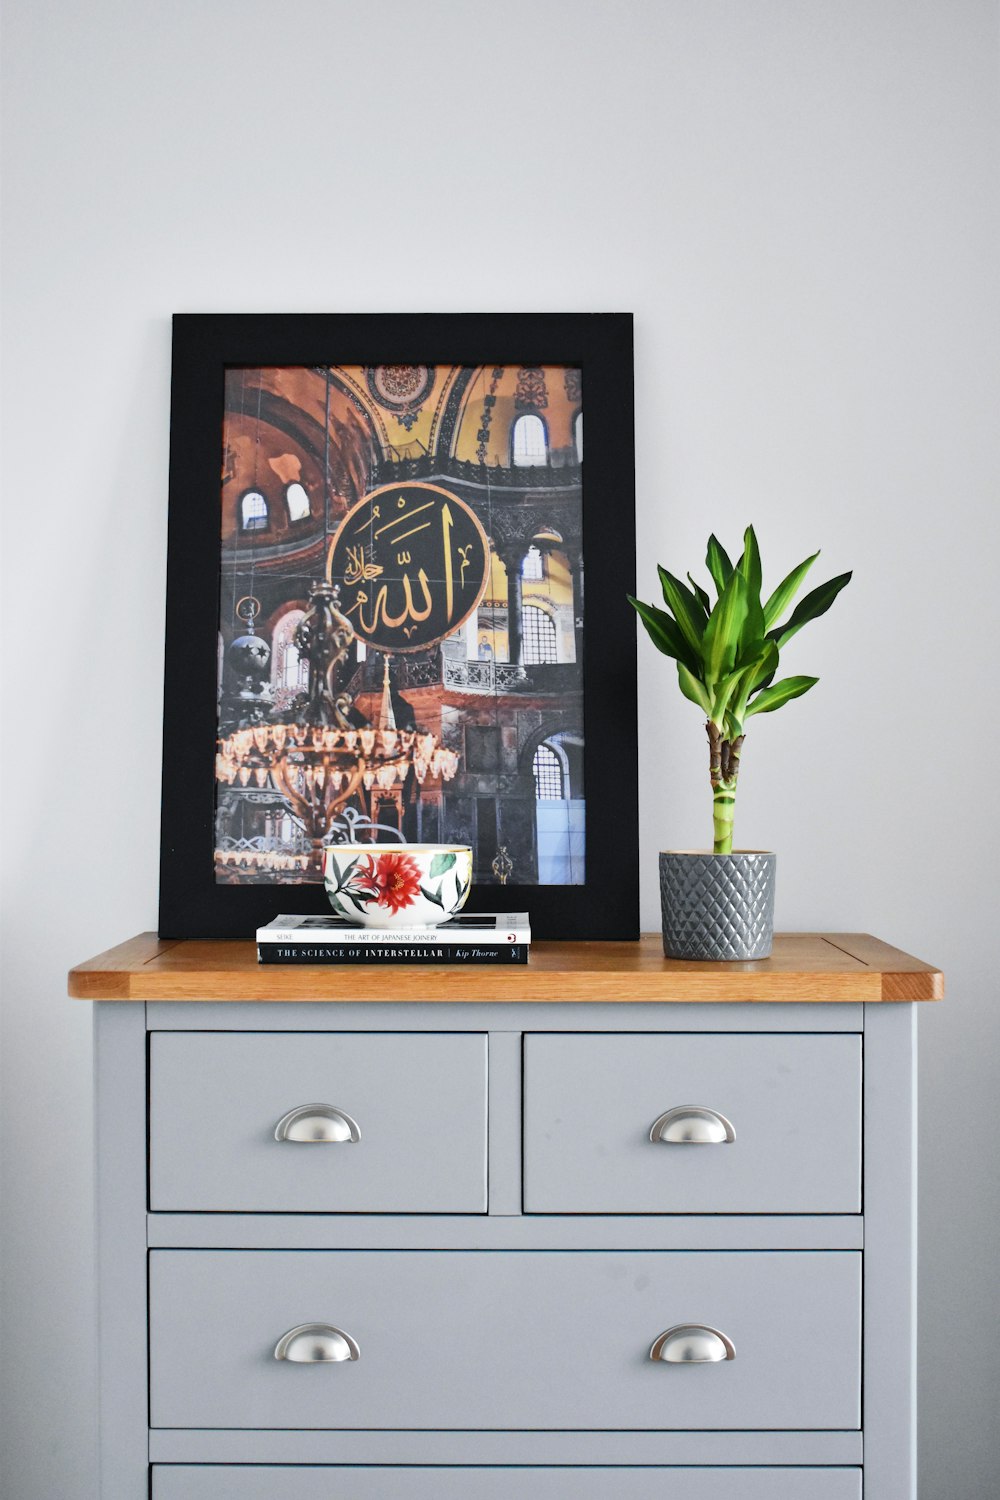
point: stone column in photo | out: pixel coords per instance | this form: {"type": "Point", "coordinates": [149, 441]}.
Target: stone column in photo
{"type": "Point", "coordinates": [513, 561]}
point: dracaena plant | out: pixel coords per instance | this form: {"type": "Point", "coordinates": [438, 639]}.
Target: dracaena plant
{"type": "Point", "coordinates": [727, 653]}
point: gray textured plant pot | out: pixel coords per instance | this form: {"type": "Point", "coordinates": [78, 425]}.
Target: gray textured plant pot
{"type": "Point", "coordinates": [717, 906]}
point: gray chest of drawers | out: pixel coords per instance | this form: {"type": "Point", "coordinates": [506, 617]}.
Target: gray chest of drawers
{"type": "Point", "coordinates": [607, 1226]}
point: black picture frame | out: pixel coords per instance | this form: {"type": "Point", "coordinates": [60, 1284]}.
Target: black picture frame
{"type": "Point", "coordinates": [192, 904]}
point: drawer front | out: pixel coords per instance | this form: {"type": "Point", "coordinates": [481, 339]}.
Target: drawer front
{"type": "Point", "coordinates": [513, 1339]}
{"type": "Point", "coordinates": [245, 1482]}
{"type": "Point", "coordinates": [419, 1101]}
{"type": "Point", "coordinates": [793, 1100]}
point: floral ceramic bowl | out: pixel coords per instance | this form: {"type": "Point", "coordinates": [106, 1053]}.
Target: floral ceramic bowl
{"type": "Point", "coordinates": [397, 885]}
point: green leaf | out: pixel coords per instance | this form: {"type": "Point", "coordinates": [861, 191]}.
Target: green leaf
{"type": "Point", "coordinates": [752, 635]}
{"type": "Point", "coordinates": [723, 694]}
{"type": "Point", "coordinates": [717, 562]}
{"type": "Point", "coordinates": [810, 608]}
{"type": "Point", "coordinates": [766, 668]}
{"type": "Point", "coordinates": [780, 693]}
{"type": "Point", "coordinates": [786, 591]}
{"type": "Point", "coordinates": [664, 632]}
{"type": "Point", "coordinates": [756, 673]}
{"type": "Point", "coordinates": [701, 596]}
{"type": "Point", "coordinates": [686, 609]}
{"type": "Point", "coordinates": [344, 875]}
{"type": "Point", "coordinates": [434, 896]}
{"type": "Point", "coordinates": [725, 625]}
{"type": "Point", "coordinates": [693, 688]}
{"type": "Point", "coordinates": [749, 563]}
{"type": "Point", "coordinates": [441, 863]}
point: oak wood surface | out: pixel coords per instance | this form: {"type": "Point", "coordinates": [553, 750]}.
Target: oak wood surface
{"type": "Point", "coordinates": [803, 967]}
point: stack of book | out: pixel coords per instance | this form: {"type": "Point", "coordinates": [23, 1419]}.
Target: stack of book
{"type": "Point", "coordinates": [469, 938]}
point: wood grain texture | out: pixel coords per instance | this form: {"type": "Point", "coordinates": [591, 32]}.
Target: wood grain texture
{"type": "Point", "coordinates": [804, 967]}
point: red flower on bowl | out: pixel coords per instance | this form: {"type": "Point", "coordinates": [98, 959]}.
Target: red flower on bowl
{"type": "Point", "coordinates": [393, 878]}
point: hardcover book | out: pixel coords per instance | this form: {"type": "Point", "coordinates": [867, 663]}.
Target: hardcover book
{"type": "Point", "coordinates": [440, 954]}
{"type": "Point", "coordinates": [467, 928]}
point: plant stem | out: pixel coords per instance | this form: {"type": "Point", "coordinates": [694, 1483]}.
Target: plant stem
{"type": "Point", "coordinates": [723, 808]}
{"type": "Point", "coordinates": [724, 770]}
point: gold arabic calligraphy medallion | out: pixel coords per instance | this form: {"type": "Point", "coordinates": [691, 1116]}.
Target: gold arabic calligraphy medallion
{"type": "Point", "coordinates": [412, 562]}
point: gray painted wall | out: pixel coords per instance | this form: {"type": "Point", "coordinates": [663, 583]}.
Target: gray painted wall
{"type": "Point", "coordinates": [798, 202]}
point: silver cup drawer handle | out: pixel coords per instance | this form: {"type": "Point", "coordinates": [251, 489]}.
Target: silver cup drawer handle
{"type": "Point", "coordinates": [692, 1344]}
{"type": "Point", "coordinates": [691, 1125]}
{"type": "Point", "coordinates": [317, 1124]}
{"type": "Point", "coordinates": [316, 1344]}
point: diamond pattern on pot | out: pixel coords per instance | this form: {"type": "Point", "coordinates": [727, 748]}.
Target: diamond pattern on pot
{"type": "Point", "coordinates": [717, 906]}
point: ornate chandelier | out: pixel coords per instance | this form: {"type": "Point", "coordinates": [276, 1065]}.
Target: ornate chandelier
{"type": "Point", "coordinates": [323, 753]}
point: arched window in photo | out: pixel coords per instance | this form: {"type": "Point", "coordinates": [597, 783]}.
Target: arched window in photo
{"type": "Point", "coordinates": [560, 821]}
{"type": "Point", "coordinates": [297, 501]}
{"type": "Point", "coordinates": [533, 567]}
{"type": "Point", "coordinates": [529, 445]}
{"type": "Point", "coordinates": [253, 511]}
{"type": "Point", "coordinates": [548, 775]}
{"type": "Point", "coordinates": [538, 636]}
{"type": "Point", "coordinates": [296, 668]}
{"type": "Point", "coordinates": [289, 669]}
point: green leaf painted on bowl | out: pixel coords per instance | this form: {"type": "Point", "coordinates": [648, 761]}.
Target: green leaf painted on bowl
{"type": "Point", "coordinates": [342, 875]}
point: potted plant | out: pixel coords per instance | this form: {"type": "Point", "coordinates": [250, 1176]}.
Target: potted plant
{"type": "Point", "coordinates": [720, 905]}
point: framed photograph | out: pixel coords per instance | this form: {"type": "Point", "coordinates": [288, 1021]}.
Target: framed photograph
{"type": "Point", "coordinates": [396, 610]}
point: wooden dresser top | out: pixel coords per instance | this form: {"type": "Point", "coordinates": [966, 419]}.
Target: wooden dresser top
{"type": "Point", "coordinates": [804, 967]}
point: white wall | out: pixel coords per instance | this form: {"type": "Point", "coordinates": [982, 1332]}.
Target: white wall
{"type": "Point", "coordinates": [797, 199]}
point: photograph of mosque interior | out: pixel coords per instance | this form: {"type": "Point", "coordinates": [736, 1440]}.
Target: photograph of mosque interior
{"type": "Point", "coordinates": [401, 623]}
